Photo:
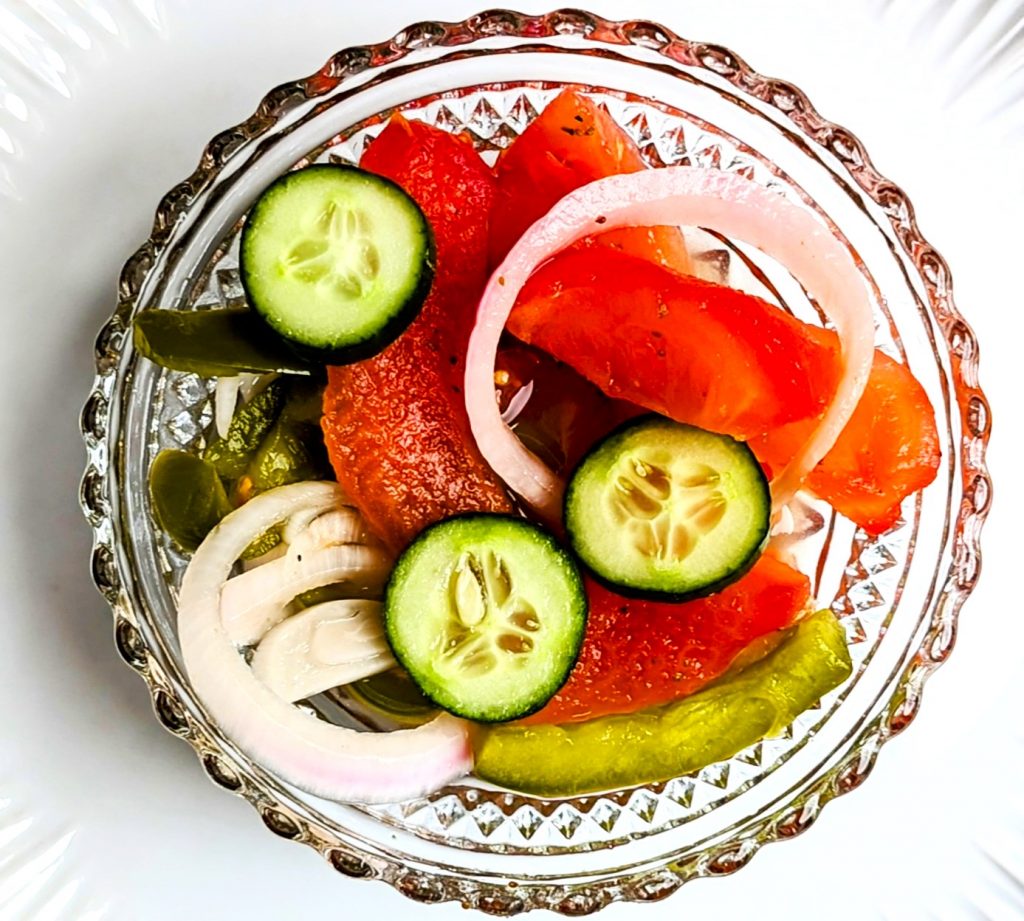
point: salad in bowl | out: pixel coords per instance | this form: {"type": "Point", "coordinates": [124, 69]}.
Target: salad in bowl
{"type": "Point", "coordinates": [514, 471]}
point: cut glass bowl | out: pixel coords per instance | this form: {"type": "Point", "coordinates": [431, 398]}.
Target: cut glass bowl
{"type": "Point", "coordinates": [898, 595]}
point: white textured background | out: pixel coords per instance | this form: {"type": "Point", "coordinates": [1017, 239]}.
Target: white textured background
{"type": "Point", "coordinates": [105, 104]}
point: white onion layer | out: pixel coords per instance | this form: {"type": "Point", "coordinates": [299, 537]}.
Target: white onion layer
{"type": "Point", "coordinates": [323, 647]}
{"type": "Point", "coordinates": [225, 399]}
{"type": "Point", "coordinates": [326, 760]}
{"type": "Point", "coordinates": [678, 195]}
{"type": "Point", "coordinates": [256, 600]}
{"type": "Point", "coordinates": [339, 526]}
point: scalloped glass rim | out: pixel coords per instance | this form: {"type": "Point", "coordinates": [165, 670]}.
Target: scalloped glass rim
{"type": "Point", "coordinates": [544, 879]}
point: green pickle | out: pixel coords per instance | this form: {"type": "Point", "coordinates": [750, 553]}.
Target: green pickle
{"type": "Point", "coordinates": [214, 343]}
{"type": "Point", "coordinates": [677, 738]}
{"type": "Point", "coordinates": [274, 439]}
{"type": "Point", "coordinates": [293, 449]}
{"type": "Point", "coordinates": [266, 542]}
{"type": "Point", "coordinates": [232, 454]}
{"type": "Point", "coordinates": [394, 694]}
{"type": "Point", "coordinates": [187, 497]}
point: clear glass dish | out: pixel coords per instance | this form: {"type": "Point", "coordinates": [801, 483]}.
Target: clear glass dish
{"type": "Point", "coordinates": [898, 595]}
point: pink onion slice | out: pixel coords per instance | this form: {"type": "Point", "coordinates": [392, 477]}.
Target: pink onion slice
{"type": "Point", "coordinates": [678, 195]}
{"type": "Point", "coordinates": [326, 760]}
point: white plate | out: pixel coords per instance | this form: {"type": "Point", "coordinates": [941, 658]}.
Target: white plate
{"type": "Point", "coordinates": [104, 105]}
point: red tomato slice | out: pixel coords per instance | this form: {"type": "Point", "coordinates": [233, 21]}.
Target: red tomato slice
{"type": "Point", "coordinates": [698, 352]}
{"type": "Point", "coordinates": [729, 362]}
{"type": "Point", "coordinates": [643, 653]}
{"type": "Point", "coordinates": [888, 450]}
{"type": "Point", "coordinates": [572, 142]}
{"type": "Point", "coordinates": [395, 425]}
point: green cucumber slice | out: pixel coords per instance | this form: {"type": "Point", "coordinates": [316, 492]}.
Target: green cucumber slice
{"type": "Point", "coordinates": [337, 260]}
{"type": "Point", "coordinates": [669, 511]}
{"type": "Point", "coordinates": [653, 745]}
{"type": "Point", "coordinates": [486, 613]}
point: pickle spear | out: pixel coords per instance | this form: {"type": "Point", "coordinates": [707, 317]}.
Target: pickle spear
{"type": "Point", "coordinates": [233, 453]}
{"type": "Point", "coordinates": [214, 343]}
{"type": "Point", "coordinates": [664, 742]}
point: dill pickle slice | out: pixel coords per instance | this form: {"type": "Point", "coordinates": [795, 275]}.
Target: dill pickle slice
{"type": "Point", "coordinates": [678, 738]}
{"type": "Point", "coordinates": [214, 343]}
{"type": "Point", "coordinates": [233, 453]}
{"type": "Point", "coordinates": [187, 497]}
{"type": "Point", "coordinates": [293, 449]}
{"type": "Point", "coordinates": [266, 542]}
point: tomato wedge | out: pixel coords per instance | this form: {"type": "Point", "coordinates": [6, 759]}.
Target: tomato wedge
{"type": "Point", "coordinates": [395, 425]}
{"type": "Point", "coordinates": [640, 654]}
{"type": "Point", "coordinates": [730, 362]}
{"type": "Point", "coordinates": [698, 352]}
{"type": "Point", "coordinates": [572, 142]}
{"type": "Point", "coordinates": [888, 450]}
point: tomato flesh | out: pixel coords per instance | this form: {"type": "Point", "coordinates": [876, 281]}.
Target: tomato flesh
{"type": "Point", "coordinates": [696, 351]}
{"type": "Point", "coordinates": [888, 450]}
{"type": "Point", "coordinates": [640, 654]}
{"type": "Point", "coordinates": [571, 143]}
{"type": "Point", "coordinates": [395, 425]}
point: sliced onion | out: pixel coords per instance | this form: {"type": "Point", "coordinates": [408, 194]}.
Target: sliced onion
{"type": "Point", "coordinates": [323, 647]}
{"type": "Point", "coordinates": [225, 399]}
{"type": "Point", "coordinates": [340, 526]}
{"type": "Point", "coordinates": [797, 521]}
{"type": "Point", "coordinates": [251, 384]}
{"type": "Point", "coordinates": [517, 404]}
{"type": "Point", "coordinates": [253, 602]}
{"type": "Point", "coordinates": [326, 760]}
{"type": "Point", "coordinates": [678, 195]}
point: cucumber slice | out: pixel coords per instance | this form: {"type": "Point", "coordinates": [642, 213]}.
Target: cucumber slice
{"type": "Point", "coordinates": [337, 260]}
{"type": "Point", "coordinates": [668, 511]}
{"type": "Point", "coordinates": [486, 613]}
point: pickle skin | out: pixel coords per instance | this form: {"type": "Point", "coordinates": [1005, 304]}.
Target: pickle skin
{"type": "Point", "coordinates": [214, 343]}
{"type": "Point", "coordinates": [653, 745]}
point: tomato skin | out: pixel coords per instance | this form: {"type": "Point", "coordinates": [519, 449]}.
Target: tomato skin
{"type": "Point", "coordinates": [695, 351]}
{"type": "Point", "coordinates": [395, 425]}
{"type": "Point", "coordinates": [640, 654]}
{"type": "Point", "coordinates": [571, 143]}
{"type": "Point", "coordinates": [888, 450]}
{"type": "Point", "coordinates": [729, 362]}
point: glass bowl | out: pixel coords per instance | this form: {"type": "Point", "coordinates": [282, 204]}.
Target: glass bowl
{"type": "Point", "coordinates": [898, 595]}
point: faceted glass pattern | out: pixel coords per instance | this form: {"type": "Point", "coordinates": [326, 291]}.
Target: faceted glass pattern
{"type": "Point", "coordinates": [881, 588]}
